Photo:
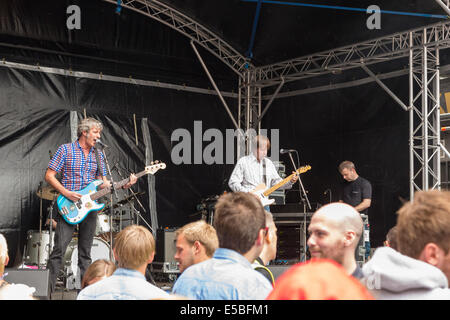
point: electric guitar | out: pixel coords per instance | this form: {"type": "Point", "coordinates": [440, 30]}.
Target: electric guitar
{"type": "Point", "coordinates": [263, 193]}
{"type": "Point", "coordinates": [75, 212]}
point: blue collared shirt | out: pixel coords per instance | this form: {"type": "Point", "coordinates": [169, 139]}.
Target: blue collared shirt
{"type": "Point", "coordinates": [226, 276]}
{"type": "Point", "coordinates": [123, 284]}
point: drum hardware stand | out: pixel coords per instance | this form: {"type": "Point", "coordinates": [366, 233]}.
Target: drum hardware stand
{"type": "Point", "coordinates": [50, 226]}
{"type": "Point", "coordinates": [111, 202]}
{"type": "Point", "coordinates": [303, 200]}
{"type": "Point", "coordinates": [136, 212]}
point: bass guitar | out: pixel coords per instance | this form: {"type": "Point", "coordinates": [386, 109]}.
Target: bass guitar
{"type": "Point", "coordinates": [75, 212]}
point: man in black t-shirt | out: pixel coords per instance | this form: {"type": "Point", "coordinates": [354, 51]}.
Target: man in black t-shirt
{"type": "Point", "coordinates": [357, 191]}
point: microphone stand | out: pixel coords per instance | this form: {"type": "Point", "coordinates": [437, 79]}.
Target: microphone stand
{"type": "Point", "coordinates": [40, 225]}
{"type": "Point", "coordinates": [111, 202]}
{"type": "Point", "coordinates": [303, 200]}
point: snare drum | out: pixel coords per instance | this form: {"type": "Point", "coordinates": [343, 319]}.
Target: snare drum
{"type": "Point", "coordinates": [33, 248]}
{"type": "Point", "coordinates": [99, 250]}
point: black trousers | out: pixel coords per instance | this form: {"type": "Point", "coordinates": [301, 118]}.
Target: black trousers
{"type": "Point", "coordinates": [63, 236]}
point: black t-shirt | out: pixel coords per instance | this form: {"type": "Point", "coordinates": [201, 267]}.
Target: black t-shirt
{"type": "Point", "coordinates": [355, 191]}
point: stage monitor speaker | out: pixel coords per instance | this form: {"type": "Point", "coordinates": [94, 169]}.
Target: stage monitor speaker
{"type": "Point", "coordinates": [165, 245]}
{"type": "Point", "coordinates": [38, 279]}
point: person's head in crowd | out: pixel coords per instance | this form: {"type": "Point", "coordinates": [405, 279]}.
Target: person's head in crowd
{"type": "Point", "coordinates": [423, 229]}
{"type": "Point", "coordinates": [348, 171]}
{"type": "Point", "coordinates": [11, 291]}
{"type": "Point", "coordinates": [391, 238]}
{"type": "Point", "coordinates": [97, 271]}
{"type": "Point", "coordinates": [134, 248]}
{"type": "Point", "coordinates": [4, 257]}
{"type": "Point", "coordinates": [195, 242]}
{"type": "Point", "coordinates": [240, 223]}
{"type": "Point", "coordinates": [334, 232]}
{"type": "Point", "coordinates": [269, 251]}
{"type": "Point", "coordinates": [318, 279]}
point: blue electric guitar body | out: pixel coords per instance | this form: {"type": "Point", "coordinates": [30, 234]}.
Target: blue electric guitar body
{"type": "Point", "coordinates": [75, 212]}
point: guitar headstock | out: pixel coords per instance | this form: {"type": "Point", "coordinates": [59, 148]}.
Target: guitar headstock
{"type": "Point", "coordinates": [303, 169]}
{"type": "Point", "coordinates": [155, 166]}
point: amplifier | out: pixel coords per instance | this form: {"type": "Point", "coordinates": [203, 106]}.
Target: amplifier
{"type": "Point", "coordinates": [165, 245]}
{"type": "Point", "coordinates": [38, 279]}
{"type": "Point", "coordinates": [292, 226]}
{"type": "Point", "coordinates": [164, 261]}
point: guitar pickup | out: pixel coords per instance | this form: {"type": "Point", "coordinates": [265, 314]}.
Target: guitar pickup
{"type": "Point", "coordinates": [64, 211]}
{"type": "Point", "coordinates": [78, 204]}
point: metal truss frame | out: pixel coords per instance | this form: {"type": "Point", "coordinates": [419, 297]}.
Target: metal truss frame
{"type": "Point", "coordinates": [424, 117]}
{"type": "Point", "coordinates": [445, 6]}
{"type": "Point", "coordinates": [382, 49]}
{"type": "Point", "coordinates": [421, 45]}
{"type": "Point", "coordinates": [191, 29]}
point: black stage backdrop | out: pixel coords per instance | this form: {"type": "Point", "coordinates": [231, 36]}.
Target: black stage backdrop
{"type": "Point", "coordinates": [35, 120]}
{"type": "Point", "coordinates": [362, 124]}
{"type": "Point", "coordinates": [326, 128]}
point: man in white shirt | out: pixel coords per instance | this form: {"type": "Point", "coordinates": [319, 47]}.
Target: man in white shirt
{"type": "Point", "coordinates": [254, 169]}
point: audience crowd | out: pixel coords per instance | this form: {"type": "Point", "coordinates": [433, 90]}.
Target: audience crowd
{"type": "Point", "coordinates": [229, 260]}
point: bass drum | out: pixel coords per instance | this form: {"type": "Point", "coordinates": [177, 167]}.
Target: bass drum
{"type": "Point", "coordinates": [33, 249]}
{"type": "Point", "coordinates": [99, 250]}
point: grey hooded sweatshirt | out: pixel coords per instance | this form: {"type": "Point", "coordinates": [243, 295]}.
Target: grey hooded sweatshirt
{"type": "Point", "coordinates": [389, 275]}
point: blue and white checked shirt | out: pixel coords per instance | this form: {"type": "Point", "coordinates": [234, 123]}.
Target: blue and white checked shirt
{"type": "Point", "coordinates": [77, 170]}
{"type": "Point", "coordinates": [123, 284]}
{"type": "Point", "coordinates": [226, 276]}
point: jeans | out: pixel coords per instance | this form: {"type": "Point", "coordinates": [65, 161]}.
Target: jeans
{"type": "Point", "coordinates": [63, 236]}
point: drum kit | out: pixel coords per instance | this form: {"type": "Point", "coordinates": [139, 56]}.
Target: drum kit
{"type": "Point", "coordinates": [39, 243]}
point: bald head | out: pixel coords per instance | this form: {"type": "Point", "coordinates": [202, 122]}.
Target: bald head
{"type": "Point", "coordinates": [334, 232]}
{"type": "Point", "coordinates": [341, 216]}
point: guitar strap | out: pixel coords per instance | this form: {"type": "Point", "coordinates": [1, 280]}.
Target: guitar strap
{"type": "Point", "coordinates": [264, 172]}
{"type": "Point", "coordinates": [97, 157]}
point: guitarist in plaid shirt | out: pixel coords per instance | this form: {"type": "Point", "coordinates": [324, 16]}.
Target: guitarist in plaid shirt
{"type": "Point", "coordinates": [77, 163]}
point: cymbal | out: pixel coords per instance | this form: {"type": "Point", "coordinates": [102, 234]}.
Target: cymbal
{"type": "Point", "coordinates": [47, 193]}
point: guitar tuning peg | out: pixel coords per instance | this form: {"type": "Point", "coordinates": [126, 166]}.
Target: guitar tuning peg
{"type": "Point", "coordinates": [157, 161]}
{"type": "Point", "coordinates": [151, 163]}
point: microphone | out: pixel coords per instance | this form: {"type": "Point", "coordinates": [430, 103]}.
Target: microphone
{"type": "Point", "coordinates": [101, 143]}
{"type": "Point", "coordinates": [282, 151]}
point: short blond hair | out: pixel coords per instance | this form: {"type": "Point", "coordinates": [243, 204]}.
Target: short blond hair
{"type": "Point", "coordinates": [202, 232]}
{"type": "Point", "coordinates": [260, 139]}
{"type": "Point", "coordinates": [133, 247]}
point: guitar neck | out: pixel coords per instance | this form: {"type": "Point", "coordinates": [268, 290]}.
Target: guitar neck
{"type": "Point", "coordinates": [278, 185]}
{"type": "Point", "coordinates": [118, 185]}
